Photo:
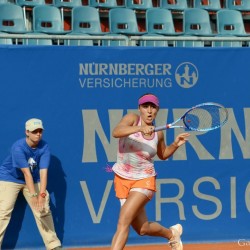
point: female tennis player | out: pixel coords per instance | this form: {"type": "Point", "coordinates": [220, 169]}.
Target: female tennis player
{"type": "Point", "coordinates": [135, 176]}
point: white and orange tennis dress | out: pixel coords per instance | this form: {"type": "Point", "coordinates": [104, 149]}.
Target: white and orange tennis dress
{"type": "Point", "coordinates": [135, 164]}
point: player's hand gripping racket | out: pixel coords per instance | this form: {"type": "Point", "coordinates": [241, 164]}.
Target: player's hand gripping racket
{"type": "Point", "coordinates": [202, 117]}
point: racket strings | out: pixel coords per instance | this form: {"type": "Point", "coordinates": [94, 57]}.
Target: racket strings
{"type": "Point", "coordinates": [206, 117]}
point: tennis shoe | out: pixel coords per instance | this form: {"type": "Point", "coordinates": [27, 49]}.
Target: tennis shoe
{"type": "Point", "coordinates": [175, 242]}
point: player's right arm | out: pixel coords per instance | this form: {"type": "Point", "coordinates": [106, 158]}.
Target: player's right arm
{"type": "Point", "coordinates": [128, 125]}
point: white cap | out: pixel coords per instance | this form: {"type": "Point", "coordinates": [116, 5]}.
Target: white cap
{"type": "Point", "coordinates": [33, 124]}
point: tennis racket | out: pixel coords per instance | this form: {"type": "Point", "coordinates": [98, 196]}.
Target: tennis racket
{"type": "Point", "coordinates": [202, 117]}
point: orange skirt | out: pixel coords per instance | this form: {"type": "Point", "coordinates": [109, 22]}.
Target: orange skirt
{"type": "Point", "coordinates": [123, 186]}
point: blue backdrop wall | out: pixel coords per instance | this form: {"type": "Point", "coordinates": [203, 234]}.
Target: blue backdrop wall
{"type": "Point", "coordinates": [81, 93]}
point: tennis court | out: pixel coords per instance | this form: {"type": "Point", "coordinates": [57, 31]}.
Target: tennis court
{"type": "Point", "coordinates": [212, 246]}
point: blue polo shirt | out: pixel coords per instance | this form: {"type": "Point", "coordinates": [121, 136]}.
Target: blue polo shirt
{"type": "Point", "coordinates": [23, 156]}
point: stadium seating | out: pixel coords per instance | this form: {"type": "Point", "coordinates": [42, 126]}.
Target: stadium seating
{"type": "Point", "coordinates": [229, 23]}
{"type": "Point", "coordinates": [12, 18]}
{"type": "Point", "coordinates": [159, 21]}
{"type": "Point", "coordinates": [196, 22]}
{"type": "Point", "coordinates": [104, 4]}
{"type": "Point", "coordinates": [86, 19]}
{"type": "Point", "coordinates": [66, 5]}
{"type": "Point", "coordinates": [29, 3]}
{"type": "Point", "coordinates": [123, 21]}
{"type": "Point", "coordinates": [139, 5]}
{"type": "Point", "coordinates": [4, 1]}
{"type": "Point", "coordinates": [47, 19]}
{"type": "Point", "coordinates": [210, 5]}
{"type": "Point", "coordinates": [241, 5]}
{"type": "Point", "coordinates": [151, 19]}
{"type": "Point", "coordinates": [179, 5]}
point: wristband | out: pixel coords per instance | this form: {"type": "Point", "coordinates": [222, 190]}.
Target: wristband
{"type": "Point", "coordinates": [43, 195]}
{"type": "Point", "coordinates": [33, 195]}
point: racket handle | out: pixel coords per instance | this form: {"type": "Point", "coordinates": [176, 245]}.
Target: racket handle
{"type": "Point", "coordinates": [161, 128]}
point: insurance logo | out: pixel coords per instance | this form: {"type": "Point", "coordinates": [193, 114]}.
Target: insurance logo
{"type": "Point", "coordinates": [186, 75]}
{"type": "Point", "coordinates": [137, 75]}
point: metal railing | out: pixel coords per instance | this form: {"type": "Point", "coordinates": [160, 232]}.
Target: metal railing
{"type": "Point", "coordinates": [125, 40]}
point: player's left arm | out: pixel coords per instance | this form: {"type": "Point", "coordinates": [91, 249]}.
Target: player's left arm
{"type": "Point", "coordinates": [164, 151]}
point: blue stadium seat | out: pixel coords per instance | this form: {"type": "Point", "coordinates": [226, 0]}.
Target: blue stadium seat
{"type": "Point", "coordinates": [139, 5]}
{"type": "Point", "coordinates": [12, 18]}
{"type": "Point", "coordinates": [29, 3]}
{"type": "Point", "coordinates": [179, 5]}
{"type": "Point", "coordinates": [241, 5]}
{"type": "Point", "coordinates": [210, 5]}
{"type": "Point", "coordinates": [196, 22]}
{"type": "Point", "coordinates": [229, 23]}
{"type": "Point", "coordinates": [86, 19]}
{"type": "Point", "coordinates": [123, 21]}
{"type": "Point", "coordinates": [47, 19]}
{"type": "Point", "coordinates": [106, 4]}
{"type": "Point", "coordinates": [67, 3]}
{"type": "Point", "coordinates": [7, 1]}
{"type": "Point", "coordinates": [159, 21]}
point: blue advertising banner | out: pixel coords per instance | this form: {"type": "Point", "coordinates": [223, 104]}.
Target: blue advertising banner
{"type": "Point", "coordinates": [81, 93]}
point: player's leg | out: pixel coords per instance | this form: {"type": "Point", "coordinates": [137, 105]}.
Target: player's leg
{"type": "Point", "coordinates": [144, 227]}
{"type": "Point", "coordinates": [133, 205]}
{"type": "Point", "coordinates": [8, 195]}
